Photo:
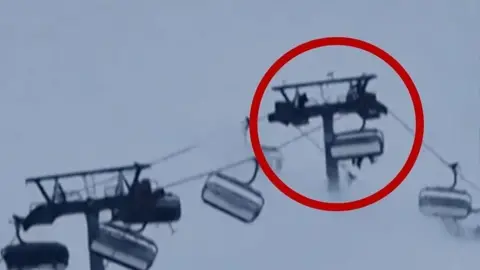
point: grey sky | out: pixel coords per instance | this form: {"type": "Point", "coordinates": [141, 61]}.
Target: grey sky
{"type": "Point", "coordinates": [94, 83]}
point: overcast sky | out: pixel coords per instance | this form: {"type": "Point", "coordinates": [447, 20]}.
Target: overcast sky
{"type": "Point", "coordinates": [88, 84]}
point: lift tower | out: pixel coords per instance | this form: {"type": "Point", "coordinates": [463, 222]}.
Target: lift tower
{"type": "Point", "coordinates": [124, 206]}
{"type": "Point", "coordinates": [297, 112]}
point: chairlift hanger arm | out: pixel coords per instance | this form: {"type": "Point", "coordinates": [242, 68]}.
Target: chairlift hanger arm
{"type": "Point", "coordinates": [135, 178]}
{"type": "Point", "coordinates": [454, 168]}
{"type": "Point", "coordinates": [363, 79]}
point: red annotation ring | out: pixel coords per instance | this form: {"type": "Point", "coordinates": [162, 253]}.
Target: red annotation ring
{"type": "Point", "coordinates": [419, 124]}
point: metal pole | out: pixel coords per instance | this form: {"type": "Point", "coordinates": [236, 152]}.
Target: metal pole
{"type": "Point", "coordinates": [96, 262]}
{"type": "Point", "coordinates": [331, 163]}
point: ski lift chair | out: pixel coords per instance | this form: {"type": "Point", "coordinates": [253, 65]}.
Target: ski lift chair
{"type": "Point", "coordinates": [163, 207]}
{"type": "Point", "coordinates": [42, 255]}
{"type": "Point", "coordinates": [124, 247]}
{"type": "Point", "coordinates": [358, 144]}
{"type": "Point", "coordinates": [37, 255]}
{"type": "Point", "coordinates": [146, 205]}
{"type": "Point", "coordinates": [445, 202]}
{"type": "Point", "coordinates": [233, 197]}
{"type": "Point", "coordinates": [167, 208]}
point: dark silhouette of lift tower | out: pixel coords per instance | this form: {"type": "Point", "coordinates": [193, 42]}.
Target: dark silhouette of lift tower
{"type": "Point", "coordinates": [59, 204]}
{"type": "Point", "coordinates": [297, 113]}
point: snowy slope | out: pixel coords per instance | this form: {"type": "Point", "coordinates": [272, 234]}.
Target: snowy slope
{"type": "Point", "coordinates": [96, 83]}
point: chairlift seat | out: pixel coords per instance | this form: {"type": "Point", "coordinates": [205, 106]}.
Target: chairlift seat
{"type": "Point", "coordinates": [233, 197]}
{"type": "Point", "coordinates": [50, 255]}
{"type": "Point", "coordinates": [164, 209]}
{"type": "Point", "coordinates": [445, 202]}
{"type": "Point", "coordinates": [357, 144]}
{"type": "Point", "coordinates": [124, 247]}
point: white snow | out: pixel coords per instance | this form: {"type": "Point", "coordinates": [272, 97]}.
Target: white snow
{"type": "Point", "coordinates": [97, 83]}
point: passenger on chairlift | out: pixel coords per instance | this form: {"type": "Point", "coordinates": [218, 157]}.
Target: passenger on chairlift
{"type": "Point", "coordinates": [357, 162]}
{"type": "Point", "coordinates": [142, 194]}
{"type": "Point", "coordinates": [300, 101]}
{"type": "Point", "coordinates": [159, 193]}
{"type": "Point", "coordinates": [352, 94]}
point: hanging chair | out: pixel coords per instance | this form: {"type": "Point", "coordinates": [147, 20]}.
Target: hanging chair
{"type": "Point", "coordinates": [233, 197]}
{"type": "Point", "coordinates": [357, 144]}
{"type": "Point", "coordinates": [36, 255]}
{"type": "Point", "coordinates": [157, 207]}
{"type": "Point", "coordinates": [445, 202]}
{"type": "Point", "coordinates": [120, 245]}
{"type": "Point", "coordinates": [46, 255]}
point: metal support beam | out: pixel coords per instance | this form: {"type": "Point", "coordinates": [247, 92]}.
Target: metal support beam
{"type": "Point", "coordinates": [331, 163]}
{"type": "Point", "coordinates": [53, 177]}
{"type": "Point", "coordinates": [96, 262]}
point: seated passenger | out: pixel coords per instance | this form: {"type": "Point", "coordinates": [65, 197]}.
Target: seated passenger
{"type": "Point", "coordinates": [142, 194]}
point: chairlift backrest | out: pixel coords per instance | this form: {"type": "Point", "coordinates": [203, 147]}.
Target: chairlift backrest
{"type": "Point", "coordinates": [236, 189]}
{"type": "Point", "coordinates": [445, 202]}
{"type": "Point", "coordinates": [365, 134]}
{"type": "Point", "coordinates": [128, 244]}
{"type": "Point", "coordinates": [33, 255]}
{"type": "Point", "coordinates": [127, 248]}
{"type": "Point", "coordinates": [232, 197]}
{"type": "Point", "coordinates": [126, 232]}
{"type": "Point", "coordinates": [356, 144]}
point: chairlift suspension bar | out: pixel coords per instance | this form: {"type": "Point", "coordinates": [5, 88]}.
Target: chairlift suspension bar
{"type": "Point", "coordinates": [135, 178]}
{"type": "Point", "coordinates": [454, 168]}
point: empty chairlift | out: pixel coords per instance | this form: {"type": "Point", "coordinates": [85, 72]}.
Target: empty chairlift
{"type": "Point", "coordinates": [125, 247]}
{"type": "Point", "coordinates": [233, 197]}
{"type": "Point", "coordinates": [357, 144]}
{"type": "Point", "coordinates": [445, 202]}
{"type": "Point", "coordinates": [43, 255]}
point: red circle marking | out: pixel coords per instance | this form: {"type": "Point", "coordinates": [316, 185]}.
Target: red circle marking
{"type": "Point", "coordinates": [419, 123]}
